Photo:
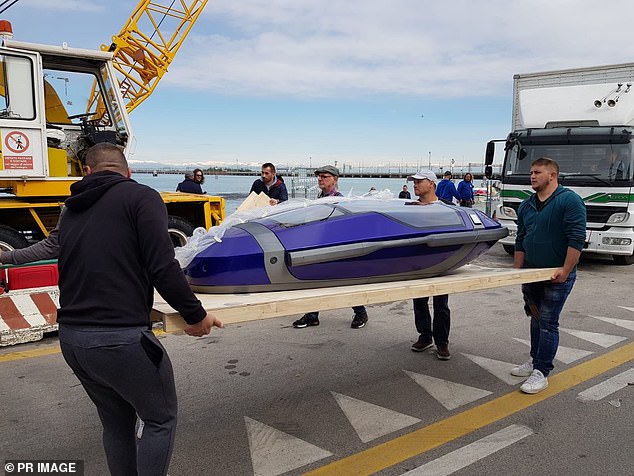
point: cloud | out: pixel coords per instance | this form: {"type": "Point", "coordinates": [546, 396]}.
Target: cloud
{"type": "Point", "coordinates": [63, 5]}
{"type": "Point", "coordinates": [313, 49]}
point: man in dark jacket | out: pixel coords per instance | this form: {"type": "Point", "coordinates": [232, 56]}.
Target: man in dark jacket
{"type": "Point", "coordinates": [191, 184]}
{"type": "Point", "coordinates": [551, 231]}
{"type": "Point", "coordinates": [405, 193]}
{"type": "Point", "coordinates": [270, 184]}
{"type": "Point", "coordinates": [114, 250]}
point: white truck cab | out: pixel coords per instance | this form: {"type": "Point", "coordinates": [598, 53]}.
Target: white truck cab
{"type": "Point", "coordinates": [583, 119]}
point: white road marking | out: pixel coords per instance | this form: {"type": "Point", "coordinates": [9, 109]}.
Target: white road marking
{"type": "Point", "coordinates": [617, 322]}
{"type": "Point", "coordinates": [607, 387]}
{"type": "Point", "coordinates": [450, 395]}
{"type": "Point", "coordinates": [604, 340]}
{"type": "Point", "coordinates": [566, 355]}
{"type": "Point", "coordinates": [498, 368]}
{"type": "Point", "coordinates": [627, 308]}
{"type": "Point", "coordinates": [463, 457]}
{"type": "Point", "coordinates": [274, 452]}
{"type": "Point", "coordinates": [371, 421]}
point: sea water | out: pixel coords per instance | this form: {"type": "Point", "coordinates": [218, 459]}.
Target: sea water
{"type": "Point", "coordinates": [235, 188]}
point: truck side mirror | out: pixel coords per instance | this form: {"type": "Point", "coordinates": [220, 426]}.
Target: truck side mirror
{"type": "Point", "coordinates": [488, 171]}
{"type": "Point", "coordinates": [490, 152]}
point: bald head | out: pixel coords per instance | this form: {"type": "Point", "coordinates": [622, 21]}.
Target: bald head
{"type": "Point", "coordinates": [106, 156]}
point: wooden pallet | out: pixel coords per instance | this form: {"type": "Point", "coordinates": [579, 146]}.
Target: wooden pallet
{"type": "Point", "coordinates": [233, 308]}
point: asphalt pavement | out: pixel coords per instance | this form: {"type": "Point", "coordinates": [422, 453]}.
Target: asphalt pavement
{"type": "Point", "coordinates": [264, 398]}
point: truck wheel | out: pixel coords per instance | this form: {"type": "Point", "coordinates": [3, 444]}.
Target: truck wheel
{"type": "Point", "coordinates": [623, 259]}
{"type": "Point", "coordinates": [179, 230]}
{"type": "Point", "coordinates": [510, 249]}
{"type": "Point", "coordinates": [10, 239]}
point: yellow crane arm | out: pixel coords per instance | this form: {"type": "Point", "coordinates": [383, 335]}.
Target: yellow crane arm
{"type": "Point", "coordinates": [147, 44]}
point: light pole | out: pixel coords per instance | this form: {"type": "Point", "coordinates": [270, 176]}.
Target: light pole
{"type": "Point", "coordinates": [429, 164]}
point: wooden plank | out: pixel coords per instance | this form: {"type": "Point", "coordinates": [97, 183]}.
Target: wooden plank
{"type": "Point", "coordinates": [233, 308]}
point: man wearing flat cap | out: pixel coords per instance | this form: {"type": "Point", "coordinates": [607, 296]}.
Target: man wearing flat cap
{"type": "Point", "coordinates": [327, 178]}
{"type": "Point", "coordinates": [437, 333]}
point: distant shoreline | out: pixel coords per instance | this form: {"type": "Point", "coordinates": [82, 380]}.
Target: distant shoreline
{"type": "Point", "coordinates": [251, 173]}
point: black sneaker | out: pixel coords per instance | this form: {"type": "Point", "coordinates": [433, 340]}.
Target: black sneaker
{"type": "Point", "coordinates": [306, 320]}
{"type": "Point", "coordinates": [422, 344]}
{"type": "Point", "coordinates": [442, 352]}
{"type": "Point", "coordinates": [359, 320]}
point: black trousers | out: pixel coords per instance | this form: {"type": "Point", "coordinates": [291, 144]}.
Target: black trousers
{"type": "Point", "coordinates": [441, 322]}
{"type": "Point", "coordinates": [126, 372]}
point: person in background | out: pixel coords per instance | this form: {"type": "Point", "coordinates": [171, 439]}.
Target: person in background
{"type": "Point", "coordinates": [614, 166]}
{"type": "Point", "coordinates": [404, 193]}
{"type": "Point", "coordinates": [199, 177]}
{"type": "Point", "coordinates": [327, 179]}
{"type": "Point", "coordinates": [551, 232]}
{"type": "Point", "coordinates": [192, 183]}
{"type": "Point", "coordinates": [446, 189]}
{"type": "Point", "coordinates": [438, 331]}
{"type": "Point", "coordinates": [114, 230]}
{"type": "Point", "coordinates": [465, 190]}
{"type": "Point", "coordinates": [48, 248]}
{"type": "Point", "coordinates": [270, 184]}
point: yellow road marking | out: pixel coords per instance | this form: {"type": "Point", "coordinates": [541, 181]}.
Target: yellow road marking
{"type": "Point", "coordinates": [420, 441]}
{"type": "Point", "coordinates": [54, 349]}
{"type": "Point", "coordinates": [28, 354]}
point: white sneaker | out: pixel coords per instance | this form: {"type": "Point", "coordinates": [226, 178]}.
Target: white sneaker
{"type": "Point", "coordinates": [535, 383]}
{"type": "Point", "coordinates": [524, 370]}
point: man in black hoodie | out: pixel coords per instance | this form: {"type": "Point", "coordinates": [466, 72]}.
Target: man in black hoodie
{"type": "Point", "coordinates": [114, 250]}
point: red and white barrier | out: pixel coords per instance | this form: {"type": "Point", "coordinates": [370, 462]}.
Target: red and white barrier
{"type": "Point", "coordinates": [27, 314]}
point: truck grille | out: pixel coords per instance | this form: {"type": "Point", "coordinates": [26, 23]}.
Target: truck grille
{"type": "Point", "coordinates": [595, 214]}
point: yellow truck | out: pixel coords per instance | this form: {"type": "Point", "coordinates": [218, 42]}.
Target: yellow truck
{"type": "Point", "coordinates": [56, 101]}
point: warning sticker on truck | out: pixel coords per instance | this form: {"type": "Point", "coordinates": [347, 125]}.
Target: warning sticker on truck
{"type": "Point", "coordinates": [17, 151]}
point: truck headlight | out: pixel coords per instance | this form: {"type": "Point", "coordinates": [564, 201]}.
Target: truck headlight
{"type": "Point", "coordinates": [509, 212]}
{"type": "Point", "coordinates": [618, 217]}
{"type": "Point", "coordinates": [616, 241]}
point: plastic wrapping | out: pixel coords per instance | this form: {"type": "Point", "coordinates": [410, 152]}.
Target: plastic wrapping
{"type": "Point", "coordinates": [201, 239]}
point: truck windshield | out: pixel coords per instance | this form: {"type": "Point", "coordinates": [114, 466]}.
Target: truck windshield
{"type": "Point", "coordinates": [579, 164]}
{"type": "Point", "coordinates": [73, 97]}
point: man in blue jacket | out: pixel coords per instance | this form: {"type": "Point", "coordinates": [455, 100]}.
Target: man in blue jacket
{"type": "Point", "coordinates": [270, 184]}
{"type": "Point", "coordinates": [445, 189]}
{"type": "Point", "coordinates": [551, 231]}
{"type": "Point", "coordinates": [465, 190]}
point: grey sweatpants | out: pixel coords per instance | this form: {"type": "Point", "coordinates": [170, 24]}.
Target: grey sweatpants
{"type": "Point", "coordinates": [126, 372]}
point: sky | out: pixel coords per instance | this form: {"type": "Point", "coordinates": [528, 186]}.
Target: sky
{"type": "Point", "coordinates": [363, 83]}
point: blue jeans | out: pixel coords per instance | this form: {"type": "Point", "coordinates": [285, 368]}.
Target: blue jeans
{"type": "Point", "coordinates": [543, 303]}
